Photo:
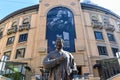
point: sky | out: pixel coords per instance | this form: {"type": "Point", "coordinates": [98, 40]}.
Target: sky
{"type": "Point", "coordinates": [112, 5]}
{"type": "Point", "coordinates": [9, 6]}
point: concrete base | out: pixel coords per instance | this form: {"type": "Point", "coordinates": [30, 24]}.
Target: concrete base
{"type": "Point", "coordinates": [91, 77]}
{"type": "Point", "coordinates": [33, 78]}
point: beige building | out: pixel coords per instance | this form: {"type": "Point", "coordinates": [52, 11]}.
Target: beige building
{"type": "Point", "coordinates": [27, 35]}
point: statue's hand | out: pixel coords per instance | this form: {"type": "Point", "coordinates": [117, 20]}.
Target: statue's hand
{"type": "Point", "coordinates": [61, 59]}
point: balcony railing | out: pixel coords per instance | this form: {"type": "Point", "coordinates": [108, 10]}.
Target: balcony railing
{"type": "Point", "coordinates": [97, 24]}
{"type": "Point", "coordinates": [24, 27]}
{"type": "Point", "coordinates": [108, 68]}
{"type": "Point", "coordinates": [12, 30]}
{"type": "Point", "coordinates": [109, 27]}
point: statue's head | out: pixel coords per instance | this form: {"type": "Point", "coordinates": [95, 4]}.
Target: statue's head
{"type": "Point", "coordinates": [59, 43]}
{"type": "Point", "coordinates": [62, 14]}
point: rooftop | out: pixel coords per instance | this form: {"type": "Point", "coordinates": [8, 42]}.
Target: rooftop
{"type": "Point", "coordinates": [83, 5]}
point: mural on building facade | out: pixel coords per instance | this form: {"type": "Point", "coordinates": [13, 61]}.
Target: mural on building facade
{"type": "Point", "coordinates": [60, 23]}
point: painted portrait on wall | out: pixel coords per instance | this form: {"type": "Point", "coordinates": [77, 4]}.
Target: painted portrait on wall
{"type": "Point", "coordinates": [60, 23]}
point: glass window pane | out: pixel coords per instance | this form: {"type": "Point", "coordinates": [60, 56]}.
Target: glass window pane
{"type": "Point", "coordinates": [10, 40]}
{"type": "Point", "coordinates": [114, 50]}
{"type": "Point", "coordinates": [20, 53]}
{"type": "Point", "coordinates": [1, 34]}
{"type": "Point", "coordinates": [23, 37]}
{"type": "Point", "coordinates": [111, 37]}
{"type": "Point", "coordinates": [98, 35]}
{"type": "Point", "coordinates": [102, 50]}
{"type": "Point", "coordinates": [8, 54]}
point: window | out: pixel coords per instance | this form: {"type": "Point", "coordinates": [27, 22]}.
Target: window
{"type": "Point", "coordinates": [23, 37]}
{"type": "Point", "coordinates": [10, 40]}
{"type": "Point", "coordinates": [1, 34]}
{"type": "Point", "coordinates": [98, 35]}
{"type": "Point", "coordinates": [20, 53]}
{"type": "Point", "coordinates": [8, 53]}
{"type": "Point", "coordinates": [102, 50]}
{"type": "Point", "coordinates": [111, 37]}
{"type": "Point", "coordinates": [118, 25]}
{"type": "Point", "coordinates": [114, 50]}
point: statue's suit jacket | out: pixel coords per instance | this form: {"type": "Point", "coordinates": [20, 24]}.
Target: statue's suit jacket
{"type": "Point", "coordinates": [59, 69]}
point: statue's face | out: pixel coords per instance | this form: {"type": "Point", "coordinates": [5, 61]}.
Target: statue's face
{"type": "Point", "coordinates": [59, 14]}
{"type": "Point", "coordinates": [59, 44]}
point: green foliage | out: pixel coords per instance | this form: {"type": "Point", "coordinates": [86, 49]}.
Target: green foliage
{"type": "Point", "coordinates": [14, 76]}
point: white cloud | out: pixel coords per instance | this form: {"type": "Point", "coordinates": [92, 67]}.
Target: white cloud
{"type": "Point", "coordinates": [112, 5]}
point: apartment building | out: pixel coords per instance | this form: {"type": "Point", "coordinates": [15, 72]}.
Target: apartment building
{"type": "Point", "coordinates": [90, 32]}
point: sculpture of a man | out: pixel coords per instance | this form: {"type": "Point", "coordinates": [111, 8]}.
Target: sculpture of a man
{"type": "Point", "coordinates": [60, 63]}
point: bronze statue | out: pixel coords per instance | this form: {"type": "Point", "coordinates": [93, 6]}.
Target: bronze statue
{"type": "Point", "coordinates": [60, 63]}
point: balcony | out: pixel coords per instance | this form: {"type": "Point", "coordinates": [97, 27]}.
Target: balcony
{"type": "Point", "coordinates": [97, 24]}
{"type": "Point", "coordinates": [12, 30]}
{"type": "Point", "coordinates": [109, 27]}
{"type": "Point", "coordinates": [24, 27]}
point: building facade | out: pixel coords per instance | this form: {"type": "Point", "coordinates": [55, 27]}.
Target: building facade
{"type": "Point", "coordinates": [91, 33]}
